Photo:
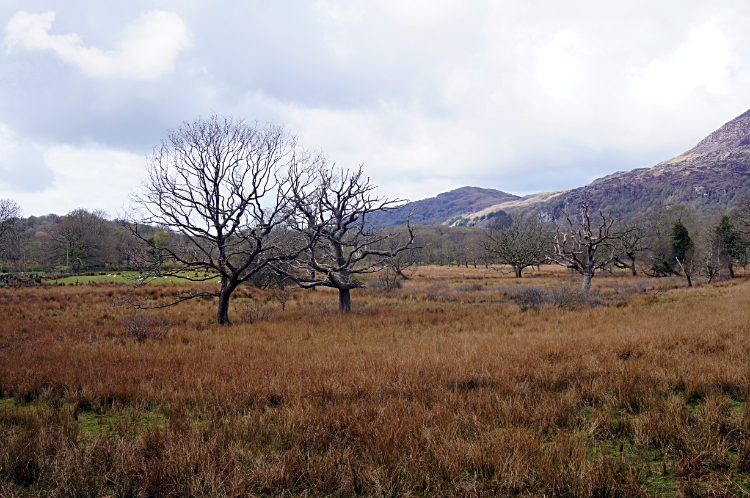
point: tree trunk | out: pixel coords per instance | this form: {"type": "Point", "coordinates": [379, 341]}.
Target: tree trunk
{"type": "Point", "coordinates": [587, 276]}
{"type": "Point", "coordinates": [401, 274]}
{"type": "Point", "coordinates": [731, 269]}
{"type": "Point", "coordinates": [517, 270]}
{"type": "Point", "coordinates": [687, 273]}
{"type": "Point", "coordinates": [222, 314]}
{"type": "Point", "coordinates": [345, 301]}
{"type": "Point", "coordinates": [632, 266]}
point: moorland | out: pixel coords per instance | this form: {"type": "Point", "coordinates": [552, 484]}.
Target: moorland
{"type": "Point", "coordinates": [462, 382]}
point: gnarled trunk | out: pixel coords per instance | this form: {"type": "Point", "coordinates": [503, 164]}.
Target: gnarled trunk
{"type": "Point", "coordinates": [517, 270]}
{"type": "Point", "coordinates": [587, 276]}
{"type": "Point", "coordinates": [632, 265]}
{"type": "Point", "coordinates": [345, 301]}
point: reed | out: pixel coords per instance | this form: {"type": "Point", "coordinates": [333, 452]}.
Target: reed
{"type": "Point", "coordinates": [471, 394]}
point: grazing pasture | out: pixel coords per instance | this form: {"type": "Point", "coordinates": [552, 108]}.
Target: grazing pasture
{"type": "Point", "coordinates": [463, 382]}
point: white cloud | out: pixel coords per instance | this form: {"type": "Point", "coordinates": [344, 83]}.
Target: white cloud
{"type": "Point", "coordinates": [703, 62]}
{"type": "Point", "coordinates": [147, 50]}
{"type": "Point", "coordinates": [91, 177]}
{"type": "Point", "coordinates": [559, 67]}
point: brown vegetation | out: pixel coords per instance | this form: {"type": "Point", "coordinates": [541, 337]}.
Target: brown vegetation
{"type": "Point", "coordinates": [445, 387]}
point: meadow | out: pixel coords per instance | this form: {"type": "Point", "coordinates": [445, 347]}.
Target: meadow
{"type": "Point", "coordinates": [463, 382]}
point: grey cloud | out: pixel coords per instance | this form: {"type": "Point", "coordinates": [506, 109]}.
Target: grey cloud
{"type": "Point", "coordinates": [24, 170]}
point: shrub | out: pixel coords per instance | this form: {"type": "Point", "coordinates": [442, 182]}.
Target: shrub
{"type": "Point", "coordinates": [529, 297]}
{"type": "Point", "coordinates": [568, 296]}
{"type": "Point", "coordinates": [254, 311]}
{"type": "Point", "coordinates": [142, 326]}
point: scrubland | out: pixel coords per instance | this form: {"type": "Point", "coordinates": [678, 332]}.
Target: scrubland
{"type": "Point", "coordinates": [457, 384]}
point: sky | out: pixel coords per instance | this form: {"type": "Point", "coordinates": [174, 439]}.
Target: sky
{"type": "Point", "coordinates": [522, 96]}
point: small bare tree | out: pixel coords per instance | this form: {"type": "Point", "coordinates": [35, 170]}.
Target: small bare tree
{"type": "Point", "coordinates": [631, 242]}
{"type": "Point", "coordinates": [403, 260]}
{"type": "Point", "coordinates": [710, 263]}
{"type": "Point", "coordinates": [584, 245]}
{"type": "Point", "coordinates": [523, 242]}
{"type": "Point", "coordinates": [331, 213]}
{"type": "Point", "coordinates": [217, 189]}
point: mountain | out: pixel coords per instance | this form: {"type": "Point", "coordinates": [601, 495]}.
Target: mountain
{"type": "Point", "coordinates": [444, 208]}
{"type": "Point", "coordinates": [711, 177]}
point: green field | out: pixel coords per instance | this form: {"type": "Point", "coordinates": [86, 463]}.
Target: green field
{"type": "Point", "coordinates": [128, 277]}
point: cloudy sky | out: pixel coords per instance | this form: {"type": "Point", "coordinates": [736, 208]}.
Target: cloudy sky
{"type": "Point", "coordinates": [518, 95]}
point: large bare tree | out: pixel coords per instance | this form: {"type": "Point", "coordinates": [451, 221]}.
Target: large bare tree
{"type": "Point", "coordinates": [585, 245]}
{"type": "Point", "coordinates": [217, 188]}
{"type": "Point", "coordinates": [331, 211]}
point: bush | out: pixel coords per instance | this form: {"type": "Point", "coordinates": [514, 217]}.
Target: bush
{"type": "Point", "coordinates": [254, 311]}
{"type": "Point", "coordinates": [564, 296]}
{"type": "Point", "coordinates": [529, 297]}
{"type": "Point", "coordinates": [142, 326]}
{"type": "Point", "coordinates": [568, 296]}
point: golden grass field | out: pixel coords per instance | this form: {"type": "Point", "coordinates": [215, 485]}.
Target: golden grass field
{"type": "Point", "coordinates": [445, 387]}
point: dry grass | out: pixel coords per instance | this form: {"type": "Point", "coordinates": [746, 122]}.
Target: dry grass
{"type": "Point", "coordinates": [442, 388]}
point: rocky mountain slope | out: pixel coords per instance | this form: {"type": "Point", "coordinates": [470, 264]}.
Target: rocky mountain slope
{"type": "Point", "coordinates": [711, 177]}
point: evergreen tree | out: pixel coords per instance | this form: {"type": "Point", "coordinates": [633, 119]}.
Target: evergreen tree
{"type": "Point", "coordinates": [682, 248]}
{"type": "Point", "coordinates": [680, 240]}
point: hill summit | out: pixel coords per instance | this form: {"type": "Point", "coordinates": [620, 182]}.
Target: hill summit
{"type": "Point", "coordinates": [445, 207]}
{"type": "Point", "coordinates": [733, 136]}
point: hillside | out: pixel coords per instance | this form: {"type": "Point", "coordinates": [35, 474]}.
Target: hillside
{"type": "Point", "coordinates": [445, 207]}
{"type": "Point", "coordinates": [711, 177]}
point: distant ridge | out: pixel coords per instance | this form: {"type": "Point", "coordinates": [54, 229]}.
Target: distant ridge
{"type": "Point", "coordinates": [445, 206]}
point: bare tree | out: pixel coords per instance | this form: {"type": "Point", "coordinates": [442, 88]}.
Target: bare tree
{"type": "Point", "coordinates": [81, 237]}
{"type": "Point", "coordinates": [403, 260]}
{"type": "Point", "coordinates": [331, 213]}
{"type": "Point", "coordinates": [523, 242]}
{"type": "Point", "coordinates": [629, 244]}
{"type": "Point", "coordinates": [585, 245]}
{"type": "Point", "coordinates": [217, 188]}
{"type": "Point", "coordinates": [733, 246]}
{"type": "Point", "coordinates": [710, 262]}
{"type": "Point", "coordinates": [10, 228]}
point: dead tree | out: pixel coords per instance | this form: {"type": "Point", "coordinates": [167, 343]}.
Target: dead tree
{"type": "Point", "coordinates": [217, 188]}
{"type": "Point", "coordinates": [331, 213]}
{"type": "Point", "coordinates": [585, 246]}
